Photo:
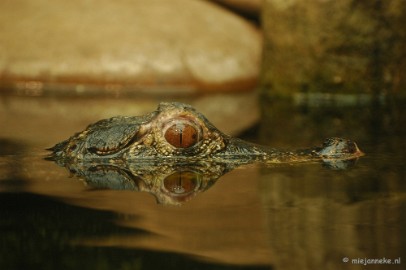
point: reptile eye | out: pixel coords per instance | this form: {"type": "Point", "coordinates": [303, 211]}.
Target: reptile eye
{"type": "Point", "coordinates": [182, 135]}
{"type": "Point", "coordinates": [182, 183]}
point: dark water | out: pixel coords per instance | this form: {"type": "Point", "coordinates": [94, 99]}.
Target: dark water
{"type": "Point", "coordinates": [303, 216]}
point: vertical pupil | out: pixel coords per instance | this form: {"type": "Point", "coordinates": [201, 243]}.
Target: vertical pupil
{"type": "Point", "coordinates": [181, 135]}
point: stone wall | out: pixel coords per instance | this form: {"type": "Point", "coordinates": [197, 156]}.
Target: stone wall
{"type": "Point", "coordinates": [334, 46]}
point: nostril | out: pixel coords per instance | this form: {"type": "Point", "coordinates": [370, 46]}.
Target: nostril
{"type": "Point", "coordinates": [351, 147]}
{"type": "Point", "coordinates": [339, 148]}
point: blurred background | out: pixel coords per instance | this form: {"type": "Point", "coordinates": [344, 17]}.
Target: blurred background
{"type": "Point", "coordinates": [285, 73]}
{"type": "Point", "coordinates": [66, 64]}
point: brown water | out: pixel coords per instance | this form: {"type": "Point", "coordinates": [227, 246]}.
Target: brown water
{"type": "Point", "coordinates": [303, 216]}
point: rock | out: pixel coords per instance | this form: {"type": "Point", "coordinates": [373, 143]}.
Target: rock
{"type": "Point", "coordinates": [144, 44]}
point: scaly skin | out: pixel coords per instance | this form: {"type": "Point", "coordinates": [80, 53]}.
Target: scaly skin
{"type": "Point", "coordinates": [177, 132]}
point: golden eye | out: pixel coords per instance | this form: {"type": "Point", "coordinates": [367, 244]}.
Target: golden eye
{"type": "Point", "coordinates": [181, 183]}
{"type": "Point", "coordinates": [181, 135]}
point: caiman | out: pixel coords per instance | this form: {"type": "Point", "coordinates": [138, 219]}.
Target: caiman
{"type": "Point", "coordinates": [177, 132]}
{"type": "Point", "coordinates": [174, 153]}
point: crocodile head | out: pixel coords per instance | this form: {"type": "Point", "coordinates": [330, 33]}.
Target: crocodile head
{"type": "Point", "coordinates": [176, 131]}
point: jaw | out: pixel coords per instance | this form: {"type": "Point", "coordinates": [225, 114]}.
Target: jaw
{"type": "Point", "coordinates": [333, 150]}
{"type": "Point", "coordinates": [239, 151]}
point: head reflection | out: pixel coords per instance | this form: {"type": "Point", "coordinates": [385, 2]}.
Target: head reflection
{"type": "Point", "coordinates": [169, 183]}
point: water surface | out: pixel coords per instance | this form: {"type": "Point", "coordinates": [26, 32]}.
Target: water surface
{"type": "Point", "coordinates": [302, 216]}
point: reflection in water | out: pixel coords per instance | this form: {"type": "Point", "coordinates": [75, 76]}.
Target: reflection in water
{"type": "Point", "coordinates": [171, 183]}
{"type": "Point", "coordinates": [181, 184]}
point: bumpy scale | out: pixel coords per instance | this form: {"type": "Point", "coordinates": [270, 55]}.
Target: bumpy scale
{"type": "Point", "coordinates": [176, 131]}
